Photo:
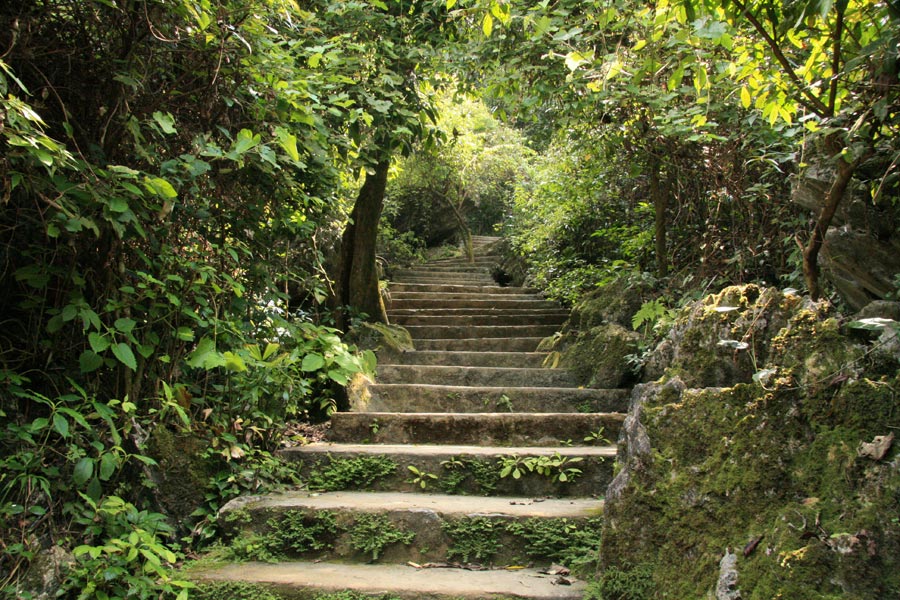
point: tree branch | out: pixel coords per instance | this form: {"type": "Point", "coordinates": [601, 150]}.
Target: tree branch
{"type": "Point", "coordinates": [815, 103]}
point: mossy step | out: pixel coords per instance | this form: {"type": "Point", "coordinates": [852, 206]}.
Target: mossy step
{"type": "Point", "coordinates": [486, 429]}
{"type": "Point", "coordinates": [462, 270]}
{"type": "Point", "coordinates": [467, 470]}
{"type": "Point", "coordinates": [510, 344]}
{"type": "Point", "coordinates": [401, 288]}
{"type": "Point", "coordinates": [469, 359]}
{"type": "Point", "coordinates": [412, 397]}
{"type": "Point", "coordinates": [474, 376]}
{"type": "Point", "coordinates": [426, 332]}
{"type": "Point", "coordinates": [545, 317]}
{"type": "Point", "coordinates": [395, 527]}
{"type": "Point", "coordinates": [307, 580]}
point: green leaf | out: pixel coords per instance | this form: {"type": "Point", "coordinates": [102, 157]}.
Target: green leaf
{"type": "Point", "coordinates": [185, 334]}
{"type": "Point", "coordinates": [451, 4]}
{"type": "Point", "coordinates": [89, 361]}
{"type": "Point", "coordinates": [108, 464]}
{"type": "Point", "coordinates": [339, 377]}
{"type": "Point", "coordinates": [160, 187]}
{"type": "Point", "coordinates": [288, 143]}
{"type": "Point", "coordinates": [205, 355]}
{"type": "Point", "coordinates": [98, 342]}
{"type": "Point", "coordinates": [61, 425]}
{"type": "Point", "coordinates": [746, 100]}
{"type": "Point", "coordinates": [165, 121]}
{"type": "Point", "coordinates": [487, 25]}
{"type": "Point", "coordinates": [122, 351]}
{"type": "Point", "coordinates": [84, 470]}
{"type": "Point", "coordinates": [233, 362]}
{"type": "Point", "coordinates": [312, 362]}
{"type": "Point", "coordinates": [125, 325]}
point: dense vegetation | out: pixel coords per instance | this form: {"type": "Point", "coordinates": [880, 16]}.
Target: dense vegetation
{"type": "Point", "coordinates": [191, 188]}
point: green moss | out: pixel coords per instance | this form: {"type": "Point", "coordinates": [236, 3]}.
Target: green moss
{"type": "Point", "coordinates": [599, 357]}
{"type": "Point", "coordinates": [627, 583]}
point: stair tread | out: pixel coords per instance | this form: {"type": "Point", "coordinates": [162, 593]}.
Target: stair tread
{"type": "Point", "coordinates": [450, 450]}
{"type": "Point", "coordinates": [406, 581]}
{"type": "Point", "coordinates": [442, 504]}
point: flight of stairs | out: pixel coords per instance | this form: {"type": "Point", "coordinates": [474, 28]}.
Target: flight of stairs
{"type": "Point", "coordinates": [425, 447]}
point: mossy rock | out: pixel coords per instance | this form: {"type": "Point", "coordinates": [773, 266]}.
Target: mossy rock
{"type": "Point", "coordinates": [725, 338]}
{"type": "Point", "coordinates": [771, 470]}
{"type": "Point", "coordinates": [599, 357]}
{"type": "Point", "coordinates": [615, 302]}
{"type": "Point", "coordinates": [181, 474]}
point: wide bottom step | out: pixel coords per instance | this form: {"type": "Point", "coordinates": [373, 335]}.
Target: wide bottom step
{"type": "Point", "coordinates": [306, 580]}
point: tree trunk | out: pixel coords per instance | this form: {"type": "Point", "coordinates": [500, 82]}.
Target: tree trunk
{"type": "Point", "coordinates": [832, 200]}
{"type": "Point", "coordinates": [660, 203]}
{"type": "Point", "coordinates": [357, 280]}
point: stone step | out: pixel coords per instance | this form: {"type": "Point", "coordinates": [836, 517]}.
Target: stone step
{"type": "Point", "coordinates": [449, 277]}
{"type": "Point", "coordinates": [429, 302]}
{"type": "Point", "coordinates": [305, 580]}
{"type": "Point", "coordinates": [448, 269]}
{"type": "Point", "coordinates": [474, 376]}
{"type": "Point", "coordinates": [486, 429]}
{"type": "Point", "coordinates": [432, 332]}
{"type": "Point", "coordinates": [485, 310]}
{"type": "Point", "coordinates": [406, 397]}
{"type": "Point", "coordinates": [452, 289]}
{"type": "Point", "coordinates": [530, 318]}
{"type": "Point", "coordinates": [516, 344]}
{"type": "Point", "coordinates": [469, 359]}
{"type": "Point", "coordinates": [350, 521]}
{"type": "Point", "coordinates": [468, 470]}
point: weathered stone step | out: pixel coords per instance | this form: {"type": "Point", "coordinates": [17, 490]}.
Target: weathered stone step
{"type": "Point", "coordinates": [457, 269]}
{"type": "Point", "coordinates": [487, 429]}
{"type": "Point", "coordinates": [430, 302]}
{"type": "Point", "coordinates": [469, 359]}
{"type": "Point", "coordinates": [516, 344]}
{"type": "Point", "coordinates": [474, 376]}
{"type": "Point", "coordinates": [489, 290]}
{"type": "Point", "coordinates": [470, 470]}
{"type": "Point", "coordinates": [428, 277]}
{"type": "Point", "coordinates": [426, 332]}
{"type": "Point", "coordinates": [486, 310]}
{"type": "Point", "coordinates": [530, 318]}
{"type": "Point", "coordinates": [406, 397]}
{"type": "Point", "coordinates": [305, 580]}
{"type": "Point", "coordinates": [427, 517]}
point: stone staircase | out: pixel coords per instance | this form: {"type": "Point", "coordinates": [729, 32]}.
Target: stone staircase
{"type": "Point", "coordinates": [461, 473]}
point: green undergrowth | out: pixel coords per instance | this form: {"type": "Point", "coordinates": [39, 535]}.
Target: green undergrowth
{"type": "Point", "coordinates": [350, 473]}
{"type": "Point", "coordinates": [572, 543]}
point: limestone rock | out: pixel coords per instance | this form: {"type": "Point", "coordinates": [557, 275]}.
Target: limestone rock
{"type": "Point", "coordinates": [46, 574]}
{"type": "Point", "coordinates": [598, 357]}
{"type": "Point", "coordinates": [861, 267]}
{"type": "Point", "coordinates": [722, 339]}
{"type": "Point", "coordinates": [634, 443]}
{"type": "Point", "coordinates": [726, 587]}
